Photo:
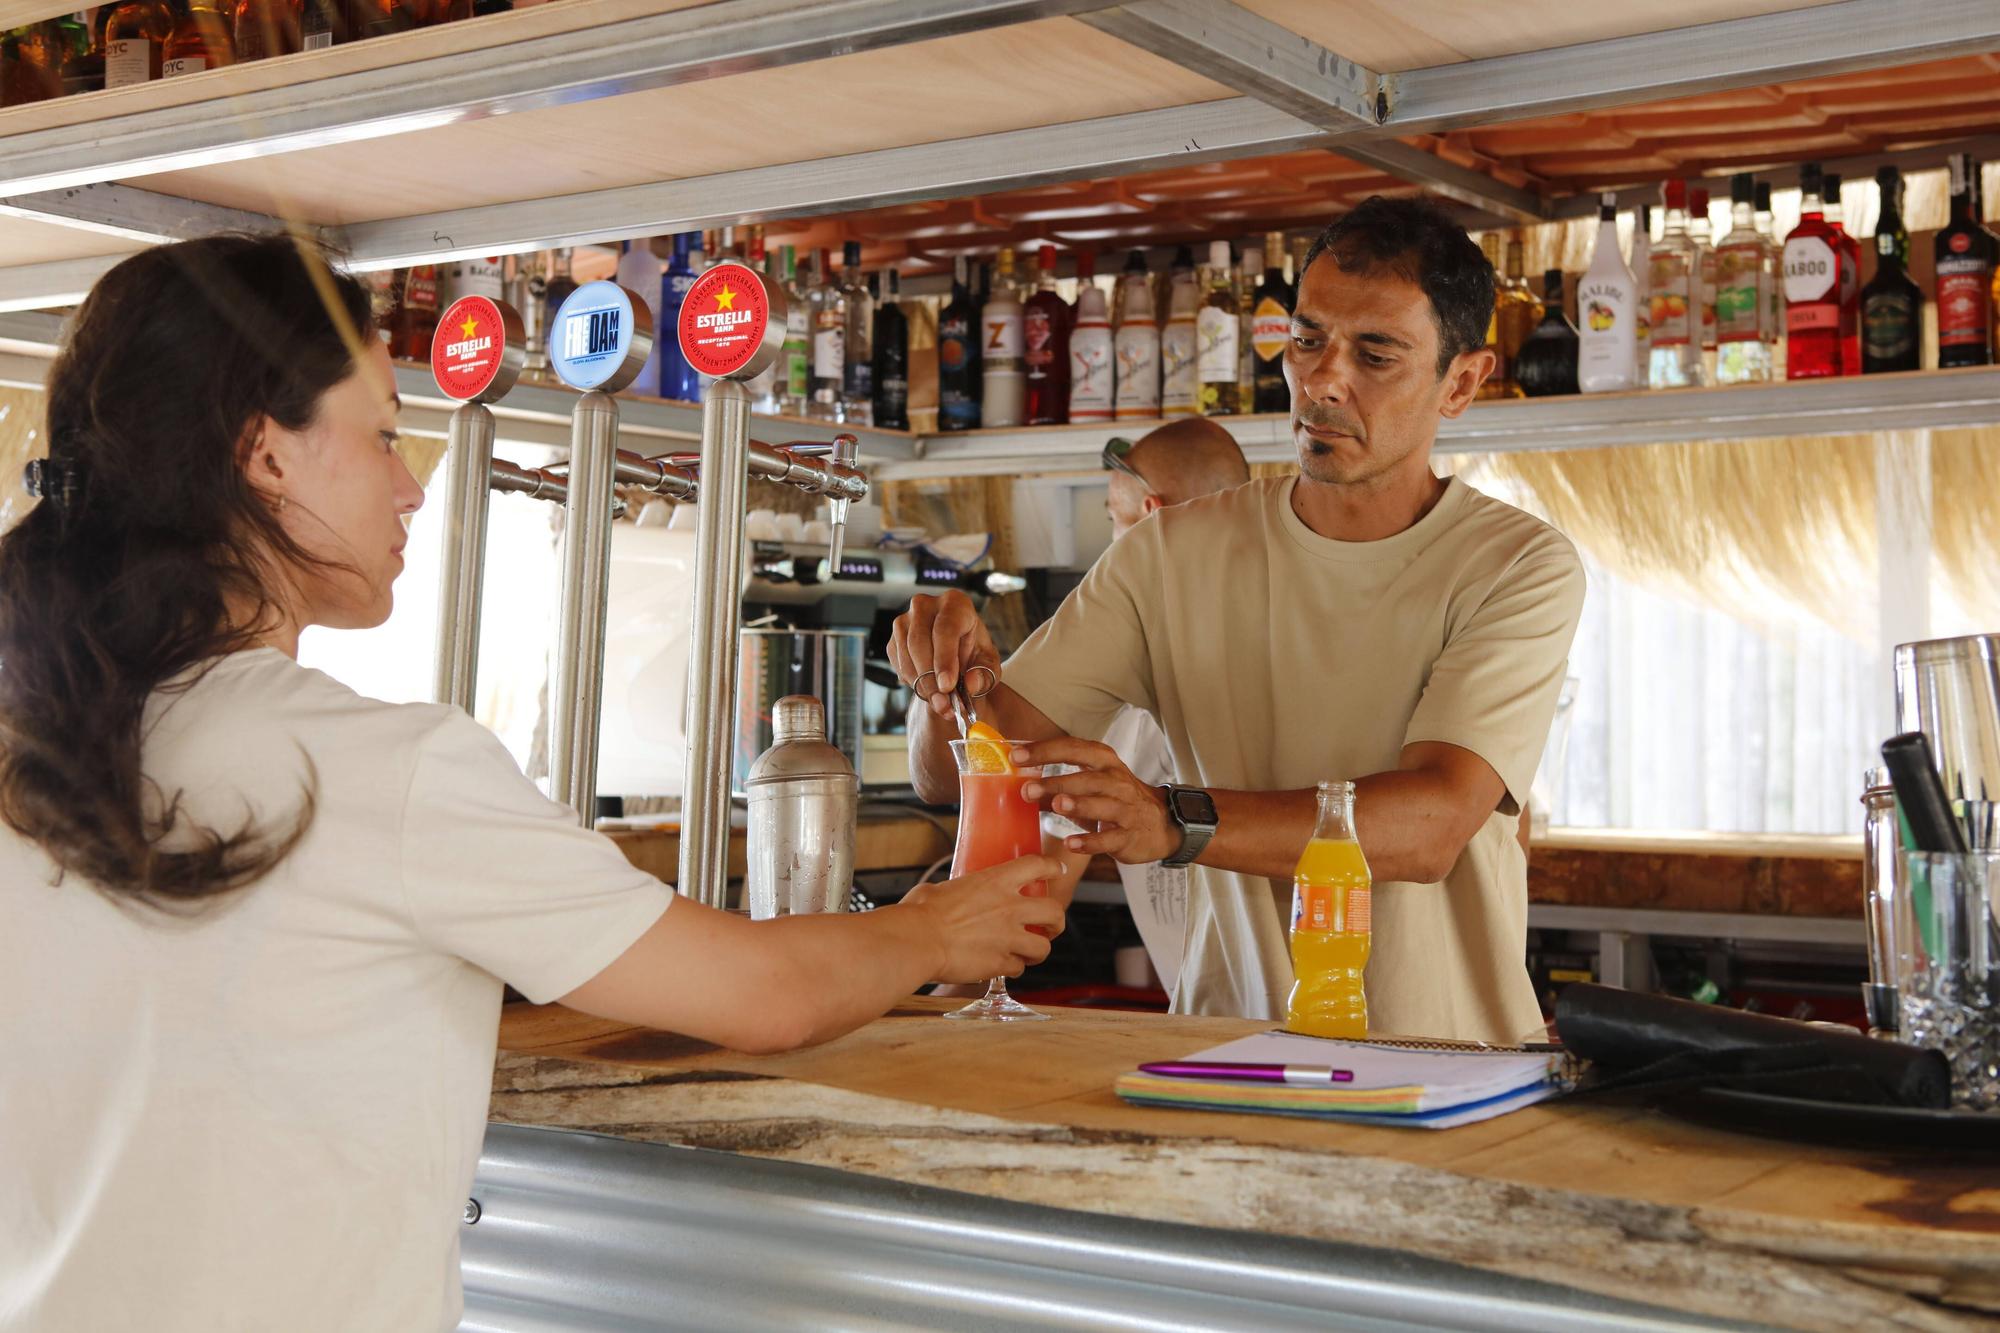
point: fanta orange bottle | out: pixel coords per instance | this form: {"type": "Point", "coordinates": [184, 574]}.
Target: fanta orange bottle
{"type": "Point", "coordinates": [1330, 924]}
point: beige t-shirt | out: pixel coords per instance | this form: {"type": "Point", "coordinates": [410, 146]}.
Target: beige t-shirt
{"type": "Point", "coordinates": [1275, 659]}
{"type": "Point", "coordinates": [267, 1115]}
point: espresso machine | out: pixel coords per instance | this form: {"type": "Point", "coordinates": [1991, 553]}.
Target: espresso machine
{"type": "Point", "coordinates": [816, 626]}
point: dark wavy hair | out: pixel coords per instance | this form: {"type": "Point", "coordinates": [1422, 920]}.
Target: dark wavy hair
{"type": "Point", "coordinates": [1418, 241]}
{"type": "Point", "coordinates": [151, 554]}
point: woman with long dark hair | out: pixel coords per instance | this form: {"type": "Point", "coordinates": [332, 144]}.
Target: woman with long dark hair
{"type": "Point", "coordinates": [254, 926]}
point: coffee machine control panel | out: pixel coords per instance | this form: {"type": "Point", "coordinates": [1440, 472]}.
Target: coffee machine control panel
{"type": "Point", "coordinates": [785, 574]}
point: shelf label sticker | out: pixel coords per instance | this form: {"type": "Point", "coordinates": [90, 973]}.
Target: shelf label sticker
{"type": "Point", "coordinates": [731, 325]}
{"type": "Point", "coordinates": [601, 337]}
{"type": "Point", "coordinates": [478, 350]}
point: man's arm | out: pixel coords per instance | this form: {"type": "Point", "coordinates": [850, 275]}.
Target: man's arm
{"type": "Point", "coordinates": [1413, 821]}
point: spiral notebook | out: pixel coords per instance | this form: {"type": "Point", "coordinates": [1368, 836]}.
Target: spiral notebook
{"type": "Point", "coordinates": [1432, 1085]}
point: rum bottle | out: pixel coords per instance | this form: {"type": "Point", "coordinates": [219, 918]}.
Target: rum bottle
{"type": "Point", "coordinates": [1091, 359]}
{"type": "Point", "coordinates": [1607, 299]}
{"type": "Point", "coordinates": [1850, 281]}
{"type": "Point", "coordinates": [1217, 328]}
{"type": "Point", "coordinates": [1812, 287]}
{"type": "Point", "coordinates": [1965, 267]}
{"type": "Point", "coordinates": [1271, 331]}
{"type": "Point", "coordinates": [135, 41]}
{"type": "Point", "coordinates": [958, 355]}
{"type": "Point", "coordinates": [1743, 357]}
{"type": "Point", "coordinates": [1891, 304]}
{"type": "Point", "coordinates": [1674, 278]}
{"type": "Point", "coordinates": [1003, 372]}
{"type": "Point", "coordinates": [1045, 342]}
{"type": "Point", "coordinates": [1136, 393]}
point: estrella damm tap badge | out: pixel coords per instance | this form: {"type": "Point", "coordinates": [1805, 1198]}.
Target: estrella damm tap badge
{"type": "Point", "coordinates": [466, 350]}
{"type": "Point", "coordinates": [724, 320]}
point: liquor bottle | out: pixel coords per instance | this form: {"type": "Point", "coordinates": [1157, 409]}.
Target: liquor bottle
{"type": "Point", "coordinates": [981, 294]}
{"type": "Point", "coordinates": [265, 28]}
{"type": "Point", "coordinates": [1674, 281]}
{"type": "Point", "coordinates": [857, 374]}
{"type": "Point", "coordinates": [1965, 268]}
{"type": "Point", "coordinates": [1812, 287]}
{"type": "Point", "coordinates": [1891, 304]}
{"type": "Point", "coordinates": [1743, 356]}
{"type": "Point", "coordinates": [639, 270]}
{"type": "Point", "coordinates": [1216, 330]}
{"type": "Point", "coordinates": [1850, 280]}
{"type": "Point", "coordinates": [1180, 385]}
{"type": "Point", "coordinates": [31, 63]}
{"type": "Point", "coordinates": [678, 380]}
{"type": "Point", "coordinates": [767, 386]}
{"type": "Point", "coordinates": [1640, 262]}
{"type": "Point", "coordinates": [1271, 331]}
{"type": "Point", "coordinates": [1137, 345]}
{"type": "Point", "coordinates": [1703, 240]}
{"type": "Point", "coordinates": [826, 308]}
{"type": "Point", "coordinates": [135, 39]}
{"type": "Point", "coordinates": [200, 39]}
{"type": "Point", "coordinates": [1003, 373]}
{"type": "Point", "coordinates": [795, 397]}
{"type": "Point", "coordinates": [416, 314]}
{"type": "Point", "coordinates": [324, 23]}
{"type": "Point", "coordinates": [1245, 291]}
{"type": "Point", "coordinates": [1091, 361]}
{"type": "Point", "coordinates": [1500, 383]}
{"type": "Point", "coordinates": [1774, 279]}
{"type": "Point", "coordinates": [83, 57]}
{"type": "Point", "coordinates": [471, 277]}
{"type": "Point", "coordinates": [1516, 310]}
{"type": "Point", "coordinates": [1547, 364]}
{"type": "Point", "coordinates": [1045, 340]}
{"type": "Point", "coordinates": [892, 358]}
{"type": "Point", "coordinates": [1607, 349]}
{"type": "Point", "coordinates": [958, 355]}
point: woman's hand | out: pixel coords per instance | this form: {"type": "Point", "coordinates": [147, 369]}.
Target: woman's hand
{"type": "Point", "coordinates": [981, 921]}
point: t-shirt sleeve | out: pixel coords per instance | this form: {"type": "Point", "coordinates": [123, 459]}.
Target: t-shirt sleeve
{"type": "Point", "coordinates": [1090, 658]}
{"type": "Point", "coordinates": [503, 877]}
{"type": "Point", "coordinates": [1493, 690]}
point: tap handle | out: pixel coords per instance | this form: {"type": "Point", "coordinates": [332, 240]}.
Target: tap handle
{"type": "Point", "coordinates": [846, 451]}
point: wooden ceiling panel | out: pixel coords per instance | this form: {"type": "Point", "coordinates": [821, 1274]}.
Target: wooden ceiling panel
{"type": "Point", "coordinates": [25, 241]}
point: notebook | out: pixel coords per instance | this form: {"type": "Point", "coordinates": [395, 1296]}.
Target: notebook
{"type": "Point", "coordinates": [1433, 1085]}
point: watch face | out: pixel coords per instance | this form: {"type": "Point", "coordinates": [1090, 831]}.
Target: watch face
{"type": "Point", "coordinates": [1192, 805]}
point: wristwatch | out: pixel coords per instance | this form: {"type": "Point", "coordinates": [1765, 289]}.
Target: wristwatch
{"type": "Point", "coordinates": [1194, 811]}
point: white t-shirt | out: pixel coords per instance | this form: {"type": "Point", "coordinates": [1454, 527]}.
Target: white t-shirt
{"type": "Point", "coordinates": [1276, 658]}
{"type": "Point", "coordinates": [267, 1115]}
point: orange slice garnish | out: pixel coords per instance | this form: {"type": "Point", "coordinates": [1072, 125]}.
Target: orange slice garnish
{"type": "Point", "coordinates": [986, 750]}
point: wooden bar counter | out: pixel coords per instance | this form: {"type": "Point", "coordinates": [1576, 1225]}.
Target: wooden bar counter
{"type": "Point", "coordinates": [1607, 1199]}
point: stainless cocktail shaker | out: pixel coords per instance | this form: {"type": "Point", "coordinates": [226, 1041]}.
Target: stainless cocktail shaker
{"type": "Point", "coordinates": [804, 797]}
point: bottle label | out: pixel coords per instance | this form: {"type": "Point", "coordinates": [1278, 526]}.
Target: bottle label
{"type": "Point", "coordinates": [1270, 330]}
{"type": "Point", "coordinates": [1811, 271]}
{"type": "Point", "coordinates": [420, 291]}
{"type": "Point", "coordinates": [1001, 338]}
{"type": "Point", "coordinates": [1739, 309]}
{"type": "Point", "coordinates": [953, 353]}
{"type": "Point", "coordinates": [1964, 296]}
{"type": "Point", "coordinates": [1038, 339]}
{"type": "Point", "coordinates": [1178, 382]}
{"type": "Point", "coordinates": [829, 353]}
{"type": "Point", "coordinates": [127, 61]}
{"type": "Point", "coordinates": [1216, 330]}
{"type": "Point", "coordinates": [858, 378]}
{"type": "Point", "coordinates": [798, 372]}
{"type": "Point", "coordinates": [1668, 273]}
{"type": "Point", "coordinates": [1889, 326]}
{"type": "Point", "coordinates": [1811, 315]}
{"type": "Point", "coordinates": [1706, 275]}
{"type": "Point", "coordinates": [317, 41]}
{"type": "Point", "coordinates": [1090, 373]}
{"type": "Point", "coordinates": [1346, 908]}
{"type": "Point", "coordinates": [1138, 351]}
{"type": "Point", "coordinates": [170, 69]}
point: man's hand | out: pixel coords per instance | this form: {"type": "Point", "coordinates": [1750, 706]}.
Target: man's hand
{"type": "Point", "coordinates": [945, 635]}
{"type": "Point", "coordinates": [982, 922]}
{"type": "Point", "coordinates": [1133, 825]}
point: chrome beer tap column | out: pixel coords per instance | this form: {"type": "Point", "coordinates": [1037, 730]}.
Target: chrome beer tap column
{"type": "Point", "coordinates": [476, 357]}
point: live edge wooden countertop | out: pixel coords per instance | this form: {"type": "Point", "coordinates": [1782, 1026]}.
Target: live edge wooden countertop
{"type": "Point", "coordinates": [1612, 1199]}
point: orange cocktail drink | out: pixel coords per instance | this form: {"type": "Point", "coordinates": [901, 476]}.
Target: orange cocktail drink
{"type": "Point", "coordinates": [996, 824]}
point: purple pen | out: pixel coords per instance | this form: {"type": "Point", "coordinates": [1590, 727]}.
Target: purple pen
{"type": "Point", "coordinates": [1308, 1075]}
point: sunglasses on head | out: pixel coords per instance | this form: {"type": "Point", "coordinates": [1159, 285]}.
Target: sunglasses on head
{"type": "Point", "coordinates": [1113, 459]}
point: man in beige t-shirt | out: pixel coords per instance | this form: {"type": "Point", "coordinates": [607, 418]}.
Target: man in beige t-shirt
{"type": "Point", "coordinates": [1366, 620]}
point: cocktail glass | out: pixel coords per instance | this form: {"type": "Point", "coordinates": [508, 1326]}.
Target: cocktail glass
{"type": "Point", "coordinates": [996, 824]}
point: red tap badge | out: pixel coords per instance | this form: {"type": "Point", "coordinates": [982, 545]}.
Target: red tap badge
{"type": "Point", "coordinates": [731, 325]}
{"type": "Point", "coordinates": [476, 351]}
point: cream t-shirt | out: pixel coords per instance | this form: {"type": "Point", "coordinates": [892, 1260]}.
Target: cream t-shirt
{"type": "Point", "coordinates": [267, 1115]}
{"type": "Point", "coordinates": [1275, 659]}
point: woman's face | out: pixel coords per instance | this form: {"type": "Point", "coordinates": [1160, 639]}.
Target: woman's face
{"type": "Point", "coordinates": [346, 496]}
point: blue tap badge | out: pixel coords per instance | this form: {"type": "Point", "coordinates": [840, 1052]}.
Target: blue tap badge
{"type": "Point", "coordinates": [600, 338]}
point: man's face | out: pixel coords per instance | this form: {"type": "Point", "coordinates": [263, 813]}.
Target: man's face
{"type": "Point", "coordinates": [1125, 502]}
{"type": "Point", "coordinates": [1362, 366]}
